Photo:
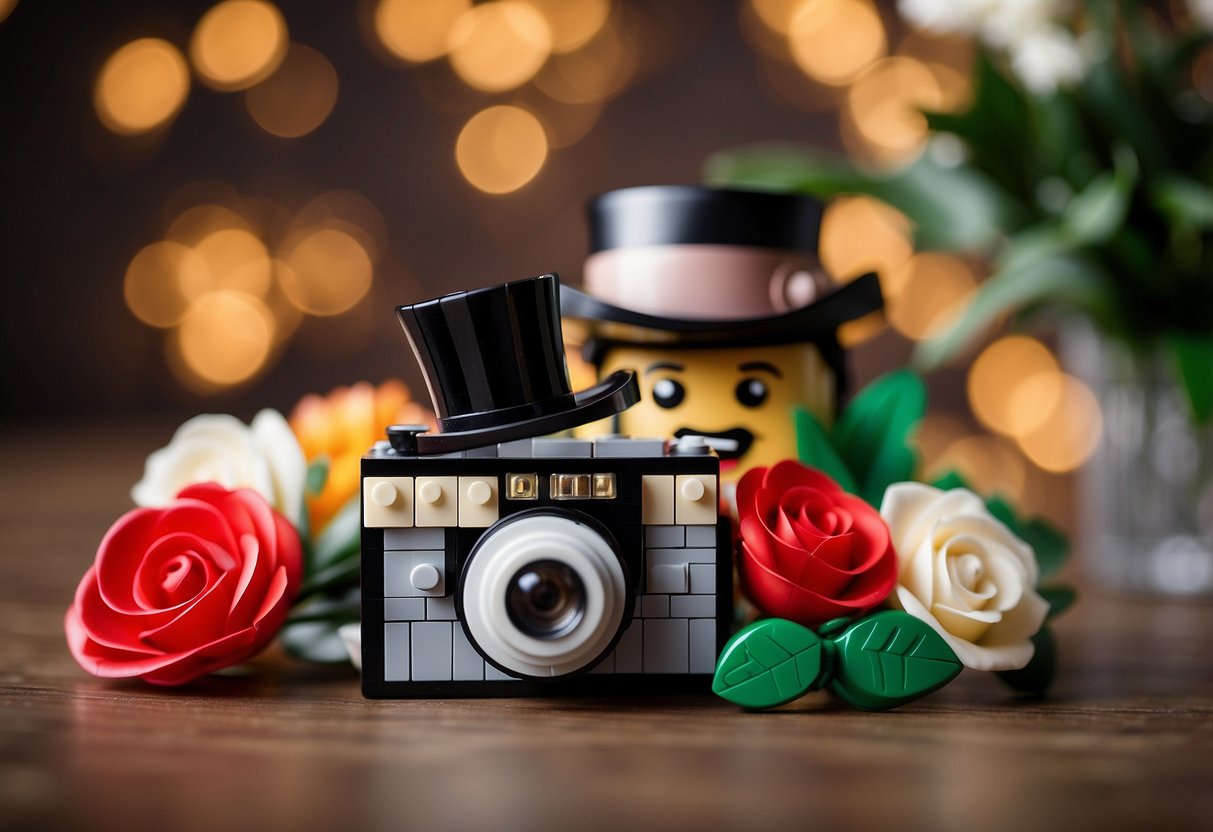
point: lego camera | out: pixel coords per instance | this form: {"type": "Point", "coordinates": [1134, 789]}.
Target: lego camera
{"type": "Point", "coordinates": [498, 562]}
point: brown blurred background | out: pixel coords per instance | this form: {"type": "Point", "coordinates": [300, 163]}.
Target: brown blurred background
{"type": "Point", "coordinates": [215, 206]}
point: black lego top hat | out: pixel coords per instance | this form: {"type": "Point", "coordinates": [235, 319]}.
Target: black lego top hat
{"type": "Point", "coordinates": [493, 361]}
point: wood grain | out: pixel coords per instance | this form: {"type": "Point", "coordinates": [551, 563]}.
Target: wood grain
{"type": "Point", "coordinates": [1126, 742]}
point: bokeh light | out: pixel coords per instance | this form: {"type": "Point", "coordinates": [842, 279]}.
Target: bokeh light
{"type": "Point", "coordinates": [927, 292]}
{"type": "Point", "coordinates": [988, 464]}
{"type": "Point", "coordinates": [883, 108]}
{"type": "Point", "coordinates": [352, 213]}
{"type": "Point", "coordinates": [235, 261]}
{"type": "Point", "coordinates": [238, 43]}
{"type": "Point", "coordinates": [499, 45]}
{"type": "Point", "coordinates": [1070, 433]}
{"type": "Point", "coordinates": [298, 97]}
{"type": "Point", "coordinates": [832, 41]}
{"type": "Point", "coordinates": [325, 270]}
{"type": "Point", "coordinates": [197, 222]}
{"type": "Point", "coordinates": [417, 30]}
{"type": "Point", "coordinates": [153, 285]}
{"type": "Point", "coordinates": [224, 339]}
{"type": "Point", "coordinates": [776, 14]}
{"type": "Point", "coordinates": [860, 234]}
{"type": "Point", "coordinates": [6, 8]}
{"type": "Point", "coordinates": [501, 148]}
{"type": "Point", "coordinates": [596, 72]}
{"type": "Point", "coordinates": [573, 22]}
{"type": "Point", "coordinates": [1014, 385]}
{"type": "Point", "coordinates": [141, 86]}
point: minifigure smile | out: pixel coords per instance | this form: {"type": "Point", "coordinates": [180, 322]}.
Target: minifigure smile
{"type": "Point", "coordinates": [741, 436]}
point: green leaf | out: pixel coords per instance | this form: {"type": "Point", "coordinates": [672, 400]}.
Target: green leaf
{"type": "Point", "coordinates": [1194, 359]}
{"type": "Point", "coordinates": [814, 447]}
{"type": "Point", "coordinates": [951, 207]}
{"type": "Point", "coordinates": [1052, 548]}
{"type": "Point", "coordinates": [317, 475]}
{"type": "Point", "coordinates": [341, 538]}
{"type": "Point", "coordinates": [891, 658]}
{"type": "Point", "coordinates": [873, 433]}
{"type": "Point", "coordinates": [1097, 211]}
{"type": "Point", "coordinates": [769, 663]}
{"type": "Point", "coordinates": [1183, 200]}
{"type": "Point", "coordinates": [950, 480]}
{"type": "Point", "coordinates": [1060, 599]}
{"type": "Point", "coordinates": [1037, 675]}
{"type": "Point", "coordinates": [310, 633]}
{"type": "Point", "coordinates": [1062, 279]}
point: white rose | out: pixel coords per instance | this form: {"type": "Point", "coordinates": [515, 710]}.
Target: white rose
{"type": "Point", "coordinates": [265, 457]}
{"type": "Point", "coordinates": [963, 572]}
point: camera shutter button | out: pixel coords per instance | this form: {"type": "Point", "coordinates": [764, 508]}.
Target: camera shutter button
{"type": "Point", "coordinates": [424, 577]}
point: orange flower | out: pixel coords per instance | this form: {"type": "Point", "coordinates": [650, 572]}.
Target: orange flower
{"type": "Point", "coordinates": [342, 426]}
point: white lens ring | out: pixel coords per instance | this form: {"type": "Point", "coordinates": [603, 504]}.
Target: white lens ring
{"type": "Point", "coordinates": [498, 557]}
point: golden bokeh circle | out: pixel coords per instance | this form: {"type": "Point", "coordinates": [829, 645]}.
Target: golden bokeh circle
{"type": "Point", "coordinates": [997, 376]}
{"type": "Point", "coordinates": [573, 23]}
{"type": "Point", "coordinates": [884, 106]}
{"type": "Point", "coordinates": [298, 97]}
{"type": "Point", "coordinates": [930, 291]}
{"type": "Point", "coordinates": [499, 45]}
{"type": "Point", "coordinates": [324, 270]}
{"type": "Point", "coordinates": [832, 41]}
{"type": "Point", "coordinates": [238, 43]}
{"type": "Point", "coordinates": [501, 149]}
{"type": "Point", "coordinates": [152, 285]}
{"type": "Point", "coordinates": [417, 31]}
{"type": "Point", "coordinates": [1070, 434]}
{"type": "Point", "coordinates": [225, 338]}
{"type": "Point", "coordinates": [141, 86]}
{"type": "Point", "coordinates": [236, 260]}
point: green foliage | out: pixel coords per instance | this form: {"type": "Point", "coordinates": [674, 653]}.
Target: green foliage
{"type": "Point", "coordinates": [1096, 200]}
{"type": "Point", "coordinates": [1036, 676]}
{"type": "Point", "coordinates": [869, 448]}
{"type": "Point", "coordinates": [310, 633]}
{"type": "Point", "coordinates": [879, 662]}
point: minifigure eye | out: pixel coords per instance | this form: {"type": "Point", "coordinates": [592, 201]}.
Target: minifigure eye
{"type": "Point", "coordinates": [668, 393]}
{"type": "Point", "coordinates": [751, 392]}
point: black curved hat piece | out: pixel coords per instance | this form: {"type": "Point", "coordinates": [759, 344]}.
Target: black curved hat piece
{"type": "Point", "coordinates": [660, 215]}
{"type": "Point", "coordinates": [493, 361]}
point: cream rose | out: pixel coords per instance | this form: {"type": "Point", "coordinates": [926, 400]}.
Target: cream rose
{"type": "Point", "coordinates": [264, 456]}
{"type": "Point", "coordinates": [963, 572]}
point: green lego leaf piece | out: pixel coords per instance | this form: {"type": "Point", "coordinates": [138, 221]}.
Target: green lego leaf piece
{"type": "Point", "coordinates": [891, 658]}
{"type": "Point", "coordinates": [815, 448]}
{"type": "Point", "coordinates": [873, 433]}
{"type": "Point", "coordinates": [1050, 545]}
{"type": "Point", "coordinates": [1035, 677]}
{"type": "Point", "coordinates": [769, 663]}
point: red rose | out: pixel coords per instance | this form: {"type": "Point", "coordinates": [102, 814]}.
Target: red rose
{"type": "Point", "coordinates": [809, 551]}
{"type": "Point", "coordinates": [178, 592]}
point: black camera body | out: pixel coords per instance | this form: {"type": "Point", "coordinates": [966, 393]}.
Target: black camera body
{"type": "Point", "coordinates": [499, 563]}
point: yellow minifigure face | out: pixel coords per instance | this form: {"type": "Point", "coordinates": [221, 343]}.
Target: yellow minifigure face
{"type": "Point", "coordinates": [746, 394]}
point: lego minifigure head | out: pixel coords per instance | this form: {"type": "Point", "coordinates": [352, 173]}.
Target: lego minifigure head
{"type": "Point", "coordinates": [716, 299]}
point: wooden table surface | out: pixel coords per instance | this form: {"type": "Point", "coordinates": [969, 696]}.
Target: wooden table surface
{"type": "Point", "coordinates": [1125, 742]}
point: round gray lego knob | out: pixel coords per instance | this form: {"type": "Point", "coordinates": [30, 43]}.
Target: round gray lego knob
{"type": "Point", "coordinates": [424, 577]}
{"type": "Point", "coordinates": [404, 437]}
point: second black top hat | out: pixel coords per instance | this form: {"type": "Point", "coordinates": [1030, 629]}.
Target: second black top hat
{"type": "Point", "coordinates": [493, 360]}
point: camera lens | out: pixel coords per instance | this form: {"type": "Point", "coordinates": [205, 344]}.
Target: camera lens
{"type": "Point", "coordinates": [545, 599]}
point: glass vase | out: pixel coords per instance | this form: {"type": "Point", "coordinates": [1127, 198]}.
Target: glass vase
{"type": "Point", "coordinates": [1147, 492]}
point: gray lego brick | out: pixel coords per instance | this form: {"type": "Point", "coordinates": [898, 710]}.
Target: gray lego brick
{"type": "Point", "coordinates": [629, 653]}
{"type": "Point", "coordinates": [555, 448]}
{"type": "Point", "coordinates": [665, 537]}
{"type": "Point", "coordinates": [615, 446]}
{"type": "Point", "coordinates": [692, 606]}
{"type": "Point", "coordinates": [483, 452]}
{"type": "Point", "coordinates": [665, 645]}
{"type": "Point", "coordinates": [440, 609]}
{"type": "Point", "coordinates": [607, 665]}
{"type": "Point", "coordinates": [395, 652]}
{"type": "Point", "coordinates": [518, 449]}
{"type": "Point", "coordinates": [396, 540]}
{"type": "Point", "coordinates": [653, 557]}
{"type": "Point", "coordinates": [467, 664]}
{"type": "Point", "coordinates": [398, 566]}
{"type": "Point", "coordinates": [403, 609]}
{"type": "Point", "coordinates": [492, 674]}
{"type": "Point", "coordinates": [702, 645]}
{"type": "Point", "coordinates": [431, 651]}
{"type": "Point", "coordinates": [655, 606]}
{"type": "Point", "coordinates": [701, 536]}
{"type": "Point", "coordinates": [668, 578]}
{"type": "Point", "coordinates": [703, 578]}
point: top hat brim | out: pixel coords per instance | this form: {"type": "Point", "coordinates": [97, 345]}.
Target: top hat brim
{"type": "Point", "coordinates": [616, 393]}
{"type": "Point", "coordinates": [806, 324]}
